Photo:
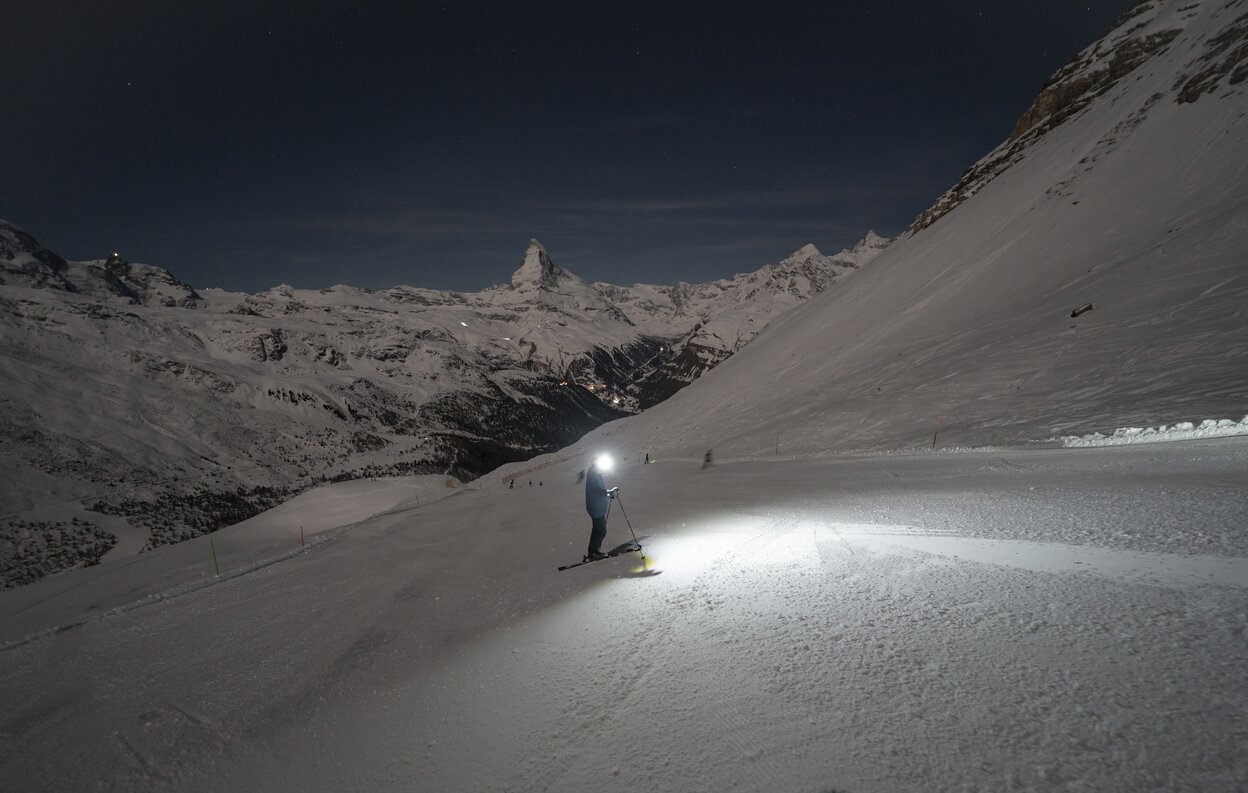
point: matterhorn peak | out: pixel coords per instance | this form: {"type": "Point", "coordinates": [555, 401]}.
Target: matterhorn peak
{"type": "Point", "coordinates": [538, 269]}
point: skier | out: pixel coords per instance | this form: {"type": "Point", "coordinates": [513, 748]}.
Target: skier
{"type": "Point", "coordinates": [596, 501]}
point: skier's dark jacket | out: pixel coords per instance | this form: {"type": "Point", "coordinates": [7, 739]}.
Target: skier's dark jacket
{"type": "Point", "coordinates": [595, 494]}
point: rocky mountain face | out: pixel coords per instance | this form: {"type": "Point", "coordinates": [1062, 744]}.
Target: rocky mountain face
{"type": "Point", "coordinates": [1148, 31]}
{"type": "Point", "coordinates": [136, 407]}
{"type": "Point", "coordinates": [24, 262]}
{"type": "Point", "coordinates": [723, 316]}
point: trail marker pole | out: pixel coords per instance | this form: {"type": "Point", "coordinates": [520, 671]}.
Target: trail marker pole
{"type": "Point", "coordinates": [213, 546]}
{"type": "Point", "coordinates": [301, 540]}
{"type": "Point", "coordinates": [937, 432]}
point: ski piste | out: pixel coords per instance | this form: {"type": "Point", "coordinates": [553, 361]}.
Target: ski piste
{"type": "Point", "coordinates": [610, 555]}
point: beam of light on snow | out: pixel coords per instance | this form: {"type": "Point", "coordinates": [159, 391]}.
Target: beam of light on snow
{"type": "Point", "coordinates": [646, 569]}
{"type": "Point", "coordinates": [689, 548]}
{"type": "Point", "coordinates": [784, 540]}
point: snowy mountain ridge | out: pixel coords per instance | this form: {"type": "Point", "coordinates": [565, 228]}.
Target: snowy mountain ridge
{"type": "Point", "coordinates": [24, 262]}
{"type": "Point", "coordinates": [1144, 34]}
{"type": "Point", "coordinates": [153, 411]}
{"type": "Point", "coordinates": [1088, 274]}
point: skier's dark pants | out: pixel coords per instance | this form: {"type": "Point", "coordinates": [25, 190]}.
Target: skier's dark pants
{"type": "Point", "coordinates": [597, 534]}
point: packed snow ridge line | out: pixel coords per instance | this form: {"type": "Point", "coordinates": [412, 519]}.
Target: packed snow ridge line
{"type": "Point", "coordinates": [1182, 431]}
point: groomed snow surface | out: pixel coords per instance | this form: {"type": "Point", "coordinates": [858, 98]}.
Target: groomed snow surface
{"type": "Point", "coordinates": [1055, 619]}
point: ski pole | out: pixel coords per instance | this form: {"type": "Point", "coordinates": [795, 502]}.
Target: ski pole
{"type": "Point", "coordinates": [630, 526]}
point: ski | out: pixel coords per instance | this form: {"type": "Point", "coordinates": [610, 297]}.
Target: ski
{"type": "Point", "coordinates": [610, 555]}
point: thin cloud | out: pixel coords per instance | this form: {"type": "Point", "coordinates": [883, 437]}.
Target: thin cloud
{"type": "Point", "coordinates": [726, 200]}
{"type": "Point", "coordinates": [407, 222]}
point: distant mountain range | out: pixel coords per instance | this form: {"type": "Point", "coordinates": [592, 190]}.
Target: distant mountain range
{"type": "Point", "coordinates": [149, 411]}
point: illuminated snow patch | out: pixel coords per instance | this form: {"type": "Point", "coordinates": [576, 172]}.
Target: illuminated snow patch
{"type": "Point", "coordinates": [1182, 431]}
{"type": "Point", "coordinates": [1133, 566]}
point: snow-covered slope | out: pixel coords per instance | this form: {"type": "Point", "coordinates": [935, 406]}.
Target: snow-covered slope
{"type": "Point", "coordinates": [1009, 619]}
{"type": "Point", "coordinates": [1133, 202]}
{"type": "Point", "coordinates": [1016, 621]}
{"type": "Point", "coordinates": [138, 411]}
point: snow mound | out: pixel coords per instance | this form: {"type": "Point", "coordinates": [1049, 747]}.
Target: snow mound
{"type": "Point", "coordinates": [1182, 431]}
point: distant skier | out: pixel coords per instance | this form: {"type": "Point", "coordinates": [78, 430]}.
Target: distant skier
{"type": "Point", "coordinates": [707, 461]}
{"type": "Point", "coordinates": [647, 458]}
{"type": "Point", "coordinates": [512, 486]}
{"type": "Point", "coordinates": [596, 502]}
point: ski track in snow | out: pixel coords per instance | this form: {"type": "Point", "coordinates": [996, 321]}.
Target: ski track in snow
{"type": "Point", "coordinates": [996, 621]}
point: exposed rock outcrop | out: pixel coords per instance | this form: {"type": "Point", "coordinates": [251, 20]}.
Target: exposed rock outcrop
{"type": "Point", "coordinates": [1144, 32]}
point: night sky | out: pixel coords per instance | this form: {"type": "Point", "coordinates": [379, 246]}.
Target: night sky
{"type": "Point", "coordinates": [246, 145]}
